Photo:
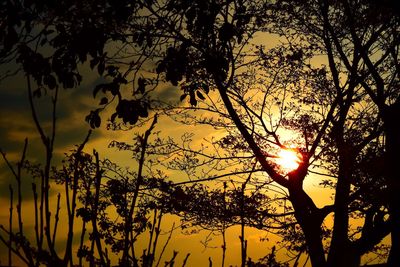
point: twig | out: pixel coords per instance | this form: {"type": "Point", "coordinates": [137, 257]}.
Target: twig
{"type": "Point", "coordinates": [185, 260]}
{"type": "Point", "coordinates": [172, 261]}
{"type": "Point", "coordinates": [158, 231]}
{"type": "Point", "coordinates": [56, 216]}
{"type": "Point", "coordinates": [46, 174]}
{"type": "Point", "coordinates": [94, 211]}
{"type": "Point", "coordinates": [19, 190]}
{"type": "Point", "coordinates": [10, 226]}
{"type": "Point", "coordinates": [153, 228]}
{"type": "Point", "coordinates": [36, 226]}
{"type": "Point", "coordinates": [139, 181]}
{"type": "Point", "coordinates": [72, 208]}
{"type": "Point", "coordinates": [166, 244]}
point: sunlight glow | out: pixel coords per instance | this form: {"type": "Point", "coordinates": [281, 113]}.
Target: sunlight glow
{"type": "Point", "coordinates": [289, 160]}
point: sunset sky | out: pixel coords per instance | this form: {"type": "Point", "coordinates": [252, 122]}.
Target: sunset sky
{"type": "Point", "coordinates": [273, 99]}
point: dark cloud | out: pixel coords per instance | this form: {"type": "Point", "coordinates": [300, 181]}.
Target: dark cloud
{"type": "Point", "coordinates": [16, 115]}
{"type": "Point", "coordinates": [16, 124]}
{"type": "Point", "coordinates": [169, 94]}
{"type": "Point", "coordinates": [8, 179]}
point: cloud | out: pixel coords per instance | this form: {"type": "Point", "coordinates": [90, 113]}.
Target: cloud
{"type": "Point", "coordinates": [169, 93]}
{"type": "Point", "coordinates": [16, 124]}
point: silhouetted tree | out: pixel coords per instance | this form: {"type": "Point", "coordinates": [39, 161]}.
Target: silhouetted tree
{"type": "Point", "coordinates": [187, 63]}
{"type": "Point", "coordinates": [114, 205]}
{"type": "Point", "coordinates": [361, 38]}
{"type": "Point", "coordinates": [338, 111]}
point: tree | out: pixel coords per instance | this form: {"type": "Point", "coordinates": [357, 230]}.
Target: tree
{"type": "Point", "coordinates": [205, 48]}
{"type": "Point", "coordinates": [188, 62]}
{"type": "Point", "coordinates": [362, 40]}
{"type": "Point", "coordinates": [88, 190]}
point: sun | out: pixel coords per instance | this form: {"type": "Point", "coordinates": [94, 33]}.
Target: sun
{"type": "Point", "coordinates": [289, 160]}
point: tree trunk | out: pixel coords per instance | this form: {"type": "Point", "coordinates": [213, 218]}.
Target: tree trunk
{"type": "Point", "coordinates": [392, 161]}
{"type": "Point", "coordinates": [341, 252]}
{"type": "Point", "coordinates": [306, 215]}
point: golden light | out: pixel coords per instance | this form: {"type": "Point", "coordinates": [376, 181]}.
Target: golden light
{"type": "Point", "coordinates": [289, 160]}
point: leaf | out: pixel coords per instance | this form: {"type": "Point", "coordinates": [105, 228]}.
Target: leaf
{"type": "Point", "coordinates": [133, 119]}
{"type": "Point", "coordinates": [142, 111]}
{"type": "Point", "coordinates": [101, 67]}
{"type": "Point", "coordinates": [94, 119]}
{"type": "Point", "coordinates": [103, 101]}
{"type": "Point", "coordinates": [113, 116]}
{"type": "Point", "coordinates": [94, 62]}
{"type": "Point", "coordinates": [114, 88]}
{"type": "Point", "coordinates": [141, 85]}
{"type": "Point", "coordinates": [160, 67]}
{"type": "Point", "coordinates": [102, 86]}
{"type": "Point", "coordinates": [200, 95]}
{"type": "Point", "coordinates": [193, 100]}
{"type": "Point", "coordinates": [50, 81]}
{"type": "Point", "coordinates": [120, 80]}
{"type": "Point", "coordinates": [227, 31]}
{"type": "Point", "coordinates": [112, 71]}
{"type": "Point", "coordinates": [206, 88]}
{"type": "Point", "coordinates": [183, 97]}
{"type": "Point", "coordinates": [84, 213]}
